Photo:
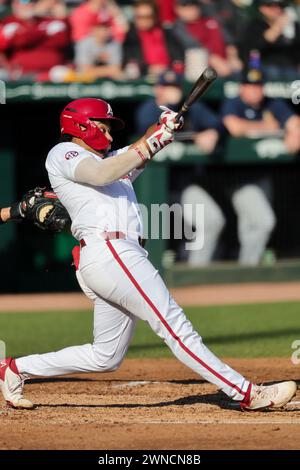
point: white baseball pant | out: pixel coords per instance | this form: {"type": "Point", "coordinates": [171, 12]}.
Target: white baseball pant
{"type": "Point", "coordinates": [126, 286]}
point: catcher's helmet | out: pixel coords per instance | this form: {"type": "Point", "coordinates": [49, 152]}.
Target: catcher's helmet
{"type": "Point", "coordinates": [82, 112]}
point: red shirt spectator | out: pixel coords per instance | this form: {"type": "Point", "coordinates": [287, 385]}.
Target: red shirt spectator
{"type": "Point", "coordinates": [208, 33]}
{"type": "Point", "coordinates": [166, 11]}
{"type": "Point", "coordinates": [154, 47]}
{"type": "Point", "coordinates": [33, 45]}
{"type": "Point", "coordinates": [149, 46]}
{"type": "Point", "coordinates": [91, 13]}
{"type": "Point", "coordinates": [194, 31]}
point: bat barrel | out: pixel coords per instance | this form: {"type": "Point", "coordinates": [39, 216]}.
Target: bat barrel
{"type": "Point", "coordinates": [202, 84]}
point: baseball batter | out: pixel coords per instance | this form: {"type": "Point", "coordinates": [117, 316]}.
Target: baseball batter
{"type": "Point", "coordinates": [113, 268]}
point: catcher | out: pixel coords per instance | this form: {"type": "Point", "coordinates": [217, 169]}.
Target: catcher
{"type": "Point", "coordinates": [41, 207]}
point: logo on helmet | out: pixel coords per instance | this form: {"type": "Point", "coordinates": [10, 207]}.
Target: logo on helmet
{"type": "Point", "coordinates": [109, 110]}
{"type": "Point", "coordinates": [71, 154]}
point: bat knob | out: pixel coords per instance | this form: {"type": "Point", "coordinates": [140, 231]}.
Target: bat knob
{"type": "Point", "coordinates": [210, 74]}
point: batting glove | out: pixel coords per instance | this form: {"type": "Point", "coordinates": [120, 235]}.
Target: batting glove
{"type": "Point", "coordinates": [161, 137]}
{"type": "Point", "coordinates": [168, 118]}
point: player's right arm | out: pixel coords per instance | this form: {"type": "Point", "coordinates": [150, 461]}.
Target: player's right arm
{"type": "Point", "coordinates": [91, 171]}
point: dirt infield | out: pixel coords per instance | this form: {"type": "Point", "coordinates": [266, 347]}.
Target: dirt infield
{"type": "Point", "coordinates": [150, 404]}
{"type": "Point", "coordinates": [188, 296]}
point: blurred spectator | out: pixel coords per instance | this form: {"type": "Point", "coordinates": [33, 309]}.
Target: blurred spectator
{"type": "Point", "coordinates": [151, 48]}
{"type": "Point", "coordinates": [201, 35]}
{"type": "Point", "coordinates": [276, 35]}
{"type": "Point", "coordinates": [93, 12]}
{"type": "Point", "coordinates": [51, 8]}
{"type": "Point", "coordinates": [34, 43]}
{"type": "Point", "coordinates": [202, 126]}
{"type": "Point", "coordinates": [251, 114]}
{"type": "Point", "coordinates": [297, 8]}
{"type": "Point", "coordinates": [4, 67]}
{"type": "Point", "coordinates": [4, 8]}
{"type": "Point", "coordinates": [231, 14]}
{"type": "Point", "coordinates": [98, 55]}
{"type": "Point", "coordinates": [166, 11]}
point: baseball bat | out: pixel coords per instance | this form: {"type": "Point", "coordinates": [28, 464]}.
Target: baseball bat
{"type": "Point", "coordinates": [201, 85]}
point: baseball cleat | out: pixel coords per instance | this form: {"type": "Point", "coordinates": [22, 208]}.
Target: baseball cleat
{"type": "Point", "coordinates": [11, 382]}
{"type": "Point", "coordinates": [269, 396]}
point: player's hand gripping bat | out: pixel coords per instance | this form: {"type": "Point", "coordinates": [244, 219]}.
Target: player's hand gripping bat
{"type": "Point", "coordinates": [202, 84]}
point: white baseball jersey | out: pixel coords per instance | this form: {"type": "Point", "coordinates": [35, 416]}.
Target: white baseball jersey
{"type": "Point", "coordinates": [93, 209]}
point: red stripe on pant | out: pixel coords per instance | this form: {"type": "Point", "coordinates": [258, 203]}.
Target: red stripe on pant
{"type": "Point", "coordinates": [159, 315]}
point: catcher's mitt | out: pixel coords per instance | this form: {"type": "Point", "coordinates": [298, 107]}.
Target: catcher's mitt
{"type": "Point", "coordinates": [44, 209]}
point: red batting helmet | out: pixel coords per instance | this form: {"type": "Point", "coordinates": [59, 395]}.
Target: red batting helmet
{"type": "Point", "coordinates": [82, 112]}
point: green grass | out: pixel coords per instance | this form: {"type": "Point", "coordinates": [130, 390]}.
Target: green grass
{"type": "Point", "coordinates": [258, 330]}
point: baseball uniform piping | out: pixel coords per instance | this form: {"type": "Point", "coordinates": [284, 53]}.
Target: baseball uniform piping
{"type": "Point", "coordinates": [167, 326]}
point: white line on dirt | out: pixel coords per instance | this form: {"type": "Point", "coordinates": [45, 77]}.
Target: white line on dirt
{"type": "Point", "coordinates": [134, 384]}
{"type": "Point", "coordinates": [224, 421]}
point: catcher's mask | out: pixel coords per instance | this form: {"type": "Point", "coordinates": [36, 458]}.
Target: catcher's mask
{"type": "Point", "coordinates": [82, 112]}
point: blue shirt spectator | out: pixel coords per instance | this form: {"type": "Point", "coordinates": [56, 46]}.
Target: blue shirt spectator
{"type": "Point", "coordinates": [277, 107]}
{"type": "Point", "coordinates": [251, 113]}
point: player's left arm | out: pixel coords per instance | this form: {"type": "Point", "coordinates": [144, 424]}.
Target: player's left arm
{"type": "Point", "coordinates": [90, 171]}
{"type": "Point", "coordinates": [139, 169]}
{"type": "Point", "coordinates": [133, 174]}
{"type": "Point", "coordinates": [167, 117]}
